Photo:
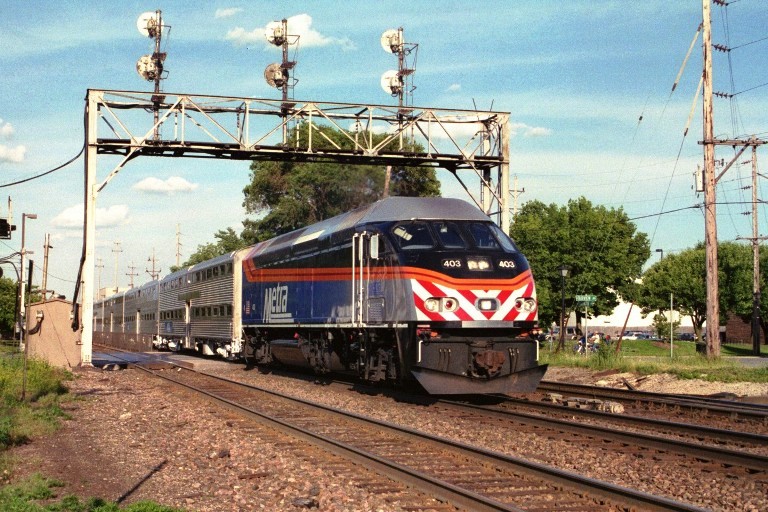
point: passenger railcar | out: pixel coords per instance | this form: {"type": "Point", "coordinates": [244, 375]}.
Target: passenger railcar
{"type": "Point", "coordinates": [424, 289]}
{"type": "Point", "coordinates": [200, 308]}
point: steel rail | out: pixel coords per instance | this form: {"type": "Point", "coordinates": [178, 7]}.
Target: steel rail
{"type": "Point", "coordinates": [651, 423]}
{"type": "Point", "coordinates": [713, 453]}
{"type": "Point", "coordinates": [721, 406]}
{"type": "Point", "coordinates": [436, 487]}
{"type": "Point", "coordinates": [441, 490]}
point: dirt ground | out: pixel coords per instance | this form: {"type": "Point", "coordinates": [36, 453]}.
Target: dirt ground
{"type": "Point", "coordinates": [122, 426]}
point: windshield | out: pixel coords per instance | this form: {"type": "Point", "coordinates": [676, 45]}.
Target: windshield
{"type": "Point", "coordinates": [413, 235]}
{"type": "Point", "coordinates": [423, 235]}
{"type": "Point", "coordinates": [449, 235]}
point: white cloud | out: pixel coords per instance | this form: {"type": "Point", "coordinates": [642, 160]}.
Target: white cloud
{"type": "Point", "coordinates": [300, 25]}
{"type": "Point", "coordinates": [537, 131]}
{"type": "Point", "coordinates": [529, 131]}
{"type": "Point", "coordinates": [226, 13]}
{"type": "Point", "coordinates": [241, 37]}
{"type": "Point", "coordinates": [6, 129]}
{"type": "Point", "coordinates": [171, 185]}
{"type": "Point", "coordinates": [454, 87]}
{"type": "Point", "coordinates": [72, 217]}
{"type": "Point", "coordinates": [12, 154]}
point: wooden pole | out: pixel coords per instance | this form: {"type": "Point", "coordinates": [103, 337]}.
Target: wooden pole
{"type": "Point", "coordinates": [710, 216]}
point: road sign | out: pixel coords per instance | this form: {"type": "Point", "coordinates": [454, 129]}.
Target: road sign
{"type": "Point", "coordinates": [586, 299]}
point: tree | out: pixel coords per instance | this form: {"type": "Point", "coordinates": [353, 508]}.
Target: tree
{"type": "Point", "coordinates": [291, 195]}
{"type": "Point", "coordinates": [661, 326]}
{"type": "Point", "coordinates": [8, 299]}
{"type": "Point", "coordinates": [228, 241]}
{"type": "Point", "coordinates": [684, 275]}
{"type": "Point", "coordinates": [601, 247]}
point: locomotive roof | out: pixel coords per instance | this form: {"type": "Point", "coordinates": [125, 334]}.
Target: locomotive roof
{"type": "Point", "coordinates": [391, 209]}
{"type": "Point", "coordinates": [407, 208]}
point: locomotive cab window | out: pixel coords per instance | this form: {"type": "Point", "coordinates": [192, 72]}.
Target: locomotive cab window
{"type": "Point", "coordinates": [507, 243]}
{"type": "Point", "coordinates": [482, 236]}
{"type": "Point", "coordinates": [413, 235]}
{"type": "Point", "coordinates": [449, 235]}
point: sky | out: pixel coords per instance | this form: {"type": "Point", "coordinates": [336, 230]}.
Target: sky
{"type": "Point", "coordinates": [588, 84]}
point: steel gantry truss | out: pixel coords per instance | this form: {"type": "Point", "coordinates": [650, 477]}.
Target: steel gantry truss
{"type": "Point", "coordinates": [130, 124]}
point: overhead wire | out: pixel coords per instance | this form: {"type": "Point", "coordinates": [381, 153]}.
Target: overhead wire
{"type": "Point", "coordinates": [46, 173]}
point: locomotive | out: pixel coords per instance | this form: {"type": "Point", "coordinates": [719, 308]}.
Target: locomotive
{"type": "Point", "coordinates": [405, 289]}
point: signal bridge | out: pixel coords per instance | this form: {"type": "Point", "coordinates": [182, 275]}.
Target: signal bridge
{"type": "Point", "coordinates": [131, 124]}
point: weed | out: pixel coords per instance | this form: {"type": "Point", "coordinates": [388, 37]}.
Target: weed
{"type": "Point", "coordinates": [648, 357]}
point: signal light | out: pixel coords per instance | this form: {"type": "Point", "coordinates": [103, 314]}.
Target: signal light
{"type": "Point", "coordinates": [5, 229]}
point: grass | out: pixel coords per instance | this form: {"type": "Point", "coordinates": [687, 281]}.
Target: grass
{"type": "Point", "coordinates": [39, 494]}
{"type": "Point", "coordinates": [647, 357]}
{"type": "Point", "coordinates": [39, 414]}
{"type": "Point", "coordinates": [40, 410]}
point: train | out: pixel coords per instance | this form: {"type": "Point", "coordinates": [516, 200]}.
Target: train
{"type": "Point", "coordinates": [405, 290]}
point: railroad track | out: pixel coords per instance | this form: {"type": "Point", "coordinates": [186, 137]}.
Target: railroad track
{"type": "Point", "coordinates": [701, 433]}
{"type": "Point", "coordinates": [463, 476]}
{"type": "Point", "coordinates": [707, 405]}
{"type": "Point", "coordinates": [577, 432]}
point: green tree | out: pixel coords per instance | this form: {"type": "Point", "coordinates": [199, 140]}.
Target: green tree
{"type": "Point", "coordinates": [661, 326]}
{"type": "Point", "coordinates": [290, 195]}
{"type": "Point", "coordinates": [8, 291]}
{"type": "Point", "coordinates": [684, 276]}
{"type": "Point", "coordinates": [227, 241]}
{"type": "Point", "coordinates": [601, 247]}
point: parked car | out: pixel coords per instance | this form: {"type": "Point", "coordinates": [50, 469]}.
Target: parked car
{"type": "Point", "coordinates": [571, 333]}
{"type": "Point", "coordinates": [686, 336]}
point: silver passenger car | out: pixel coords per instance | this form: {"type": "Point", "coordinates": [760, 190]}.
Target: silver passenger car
{"type": "Point", "coordinates": [199, 307]}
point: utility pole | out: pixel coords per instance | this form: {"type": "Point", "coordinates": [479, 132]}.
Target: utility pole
{"type": "Point", "coordinates": [755, 241]}
{"type": "Point", "coordinates": [99, 265]}
{"type": "Point", "coordinates": [131, 274]}
{"type": "Point", "coordinates": [178, 245]}
{"type": "Point", "coordinates": [155, 272]}
{"type": "Point", "coordinates": [710, 213]}
{"type": "Point", "coordinates": [710, 181]}
{"type": "Point", "coordinates": [515, 194]}
{"type": "Point", "coordinates": [117, 250]}
{"type": "Point", "coordinates": [387, 178]}
{"type": "Point", "coordinates": [755, 261]}
{"type": "Point", "coordinates": [46, 248]}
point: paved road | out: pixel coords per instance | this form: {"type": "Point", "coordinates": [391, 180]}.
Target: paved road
{"type": "Point", "coordinates": [752, 362]}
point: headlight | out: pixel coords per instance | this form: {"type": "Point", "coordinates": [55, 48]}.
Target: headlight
{"type": "Point", "coordinates": [436, 304]}
{"type": "Point", "coordinates": [432, 304]}
{"type": "Point", "coordinates": [478, 263]}
{"type": "Point", "coordinates": [487, 304]}
{"type": "Point", "coordinates": [526, 304]}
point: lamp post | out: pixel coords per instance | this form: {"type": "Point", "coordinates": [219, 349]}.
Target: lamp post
{"type": "Point", "coordinates": [661, 251]}
{"type": "Point", "coordinates": [563, 274]}
{"type": "Point", "coordinates": [22, 311]}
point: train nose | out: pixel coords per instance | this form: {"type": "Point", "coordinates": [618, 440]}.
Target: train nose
{"type": "Point", "coordinates": [487, 363]}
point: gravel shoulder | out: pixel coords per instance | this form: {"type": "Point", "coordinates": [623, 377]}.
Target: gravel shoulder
{"type": "Point", "coordinates": [129, 438]}
{"type": "Point", "coordinates": [657, 383]}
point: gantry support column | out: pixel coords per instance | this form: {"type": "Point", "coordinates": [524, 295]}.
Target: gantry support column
{"type": "Point", "coordinates": [88, 274]}
{"type": "Point", "coordinates": [504, 212]}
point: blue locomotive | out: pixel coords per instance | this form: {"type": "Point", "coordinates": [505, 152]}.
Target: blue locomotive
{"type": "Point", "coordinates": [425, 289]}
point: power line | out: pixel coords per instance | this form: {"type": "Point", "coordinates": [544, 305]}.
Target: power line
{"type": "Point", "coordinates": [82, 149]}
{"type": "Point", "coordinates": [695, 206]}
{"type": "Point", "coordinates": [692, 207]}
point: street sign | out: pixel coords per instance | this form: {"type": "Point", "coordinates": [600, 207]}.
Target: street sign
{"type": "Point", "coordinates": [586, 299]}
